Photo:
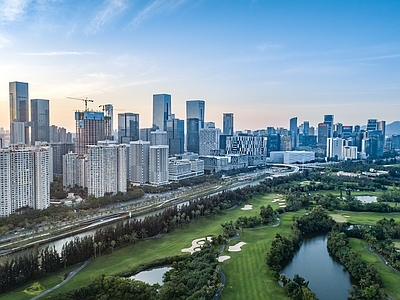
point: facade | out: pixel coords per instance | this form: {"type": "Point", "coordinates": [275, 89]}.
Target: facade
{"type": "Point", "coordinates": [293, 132]}
{"type": "Point", "coordinates": [40, 118]}
{"type": "Point", "coordinates": [209, 140]}
{"type": "Point", "coordinates": [139, 161]}
{"type": "Point", "coordinates": [158, 138]}
{"type": "Point", "coordinates": [228, 124]}
{"type": "Point", "coordinates": [254, 147]}
{"type": "Point", "coordinates": [108, 122]}
{"type": "Point", "coordinates": [25, 178]}
{"type": "Point", "coordinates": [334, 148]}
{"type": "Point", "coordinates": [19, 105]}
{"type": "Point", "coordinates": [328, 120]}
{"type": "Point", "coordinates": [158, 168]}
{"type": "Point", "coordinates": [195, 111]}
{"type": "Point", "coordinates": [185, 168]}
{"type": "Point", "coordinates": [323, 130]}
{"type": "Point", "coordinates": [128, 127]}
{"type": "Point", "coordinates": [161, 110]}
{"type": "Point", "coordinates": [58, 150]}
{"type": "Point", "coordinates": [349, 152]}
{"type": "Point", "coordinates": [17, 133]}
{"type": "Point", "coordinates": [176, 136]}
{"type": "Point", "coordinates": [290, 157]}
{"type": "Point", "coordinates": [89, 130]}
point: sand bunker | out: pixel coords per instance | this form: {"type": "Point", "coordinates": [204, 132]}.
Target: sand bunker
{"type": "Point", "coordinates": [338, 218]}
{"type": "Point", "coordinates": [223, 258]}
{"type": "Point", "coordinates": [196, 245]}
{"type": "Point", "coordinates": [247, 207]}
{"type": "Point", "coordinates": [237, 247]}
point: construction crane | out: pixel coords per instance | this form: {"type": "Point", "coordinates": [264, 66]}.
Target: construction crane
{"type": "Point", "coordinates": [86, 100]}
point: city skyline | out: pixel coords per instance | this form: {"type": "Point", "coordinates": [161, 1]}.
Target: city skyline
{"type": "Point", "coordinates": [264, 62]}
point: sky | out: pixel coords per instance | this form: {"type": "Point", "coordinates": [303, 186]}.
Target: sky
{"type": "Point", "coordinates": [265, 61]}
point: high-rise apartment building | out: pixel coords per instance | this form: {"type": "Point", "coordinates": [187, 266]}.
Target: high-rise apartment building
{"type": "Point", "coordinates": [139, 161]}
{"type": "Point", "coordinates": [19, 105]}
{"type": "Point", "coordinates": [195, 110]}
{"type": "Point", "coordinates": [89, 130]}
{"type": "Point", "coordinates": [227, 124]}
{"type": "Point", "coordinates": [161, 110]}
{"type": "Point", "coordinates": [209, 140]}
{"type": "Point", "coordinates": [58, 150]}
{"type": "Point", "coordinates": [128, 127]}
{"type": "Point", "coordinates": [25, 178]}
{"type": "Point", "coordinates": [158, 168]}
{"type": "Point", "coordinates": [334, 148]}
{"type": "Point", "coordinates": [158, 137]}
{"type": "Point", "coordinates": [40, 118]}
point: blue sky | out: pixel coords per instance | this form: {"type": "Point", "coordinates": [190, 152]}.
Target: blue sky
{"type": "Point", "coordinates": [265, 61]}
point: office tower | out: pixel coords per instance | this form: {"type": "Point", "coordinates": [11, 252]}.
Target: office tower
{"type": "Point", "coordinates": [209, 139]}
{"type": "Point", "coordinates": [227, 124]}
{"type": "Point", "coordinates": [58, 150]}
{"type": "Point", "coordinates": [128, 127]}
{"type": "Point", "coordinates": [19, 105]}
{"type": "Point", "coordinates": [195, 110]}
{"type": "Point", "coordinates": [161, 110]}
{"type": "Point", "coordinates": [312, 131]}
{"type": "Point", "coordinates": [347, 131]}
{"type": "Point", "coordinates": [372, 124]}
{"type": "Point", "coordinates": [322, 135]}
{"type": "Point", "coordinates": [334, 148]}
{"type": "Point", "coordinates": [306, 128]}
{"type": "Point", "coordinates": [176, 136]}
{"type": "Point", "coordinates": [382, 127]}
{"type": "Point", "coordinates": [373, 143]}
{"type": "Point", "coordinates": [40, 118]}
{"type": "Point", "coordinates": [17, 133]}
{"type": "Point", "coordinates": [273, 143]}
{"type": "Point", "coordinates": [255, 147]}
{"type": "Point", "coordinates": [158, 167]}
{"type": "Point", "coordinates": [89, 130]}
{"type": "Point", "coordinates": [139, 161]}
{"type": "Point", "coordinates": [328, 120]}
{"type": "Point", "coordinates": [293, 132]}
{"type": "Point", "coordinates": [108, 121]}
{"type": "Point", "coordinates": [158, 138]}
{"type": "Point", "coordinates": [25, 178]}
{"type": "Point", "coordinates": [338, 130]}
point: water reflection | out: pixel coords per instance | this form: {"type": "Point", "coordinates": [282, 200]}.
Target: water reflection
{"type": "Point", "coordinates": [152, 276]}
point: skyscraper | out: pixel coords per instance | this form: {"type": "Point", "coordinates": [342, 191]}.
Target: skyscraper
{"type": "Point", "coordinates": [139, 161]}
{"type": "Point", "coordinates": [194, 121]}
{"type": "Point", "coordinates": [176, 136]}
{"type": "Point", "coordinates": [128, 127]}
{"type": "Point", "coordinates": [161, 110]}
{"type": "Point", "coordinates": [158, 167]}
{"type": "Point", "coordinates": [19, 105]}
{"type": "Point", "coordinates": [293, 132]}
{"type": "Point", "coordinates": [108, 122]}
{"type": "Point", "coordinates": [322, 135]}
{"type": "Point", "coordinates": [40, 118]}
{"type": "Point", "coordinates": [227, 124]}
{"type": "Point", "coordinates": [89, 130]}
{"type": "Point", "coordinates": [328, 120]}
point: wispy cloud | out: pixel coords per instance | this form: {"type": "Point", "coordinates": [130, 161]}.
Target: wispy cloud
{"type": "Point", "coordinates": [379, 57]}
{"type": "Point", "coordinates": [265, 46]}
{"type": "Point", "coordinates": [109, 10]}
{"type": "Point", "coordinates": [101, 75]}
{"type": "Point", "coordinates": [4, 42]}
{"type": "Point", "coordinates": [58, 53]}
{"type": "Point", "coordinates": [11, 10]}
{"type": "Point", "coordinates": [154, 7]}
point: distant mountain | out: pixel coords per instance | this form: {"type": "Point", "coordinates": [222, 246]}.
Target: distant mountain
{"type": "Point", "coordinates": [393, 128]}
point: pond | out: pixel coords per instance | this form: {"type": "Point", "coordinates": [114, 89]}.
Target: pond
{"type": "Point", "coordinates": [152, 276]}
{"type": "Point", "coordinates": [328, 279]}
{"type": "Point", "coordinates": [366, 199]}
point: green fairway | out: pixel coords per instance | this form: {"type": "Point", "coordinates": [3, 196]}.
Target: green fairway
{"type": "Point", "coordinates": [247, 275]}
{"type": "Point", "coordinates": [364, 218]}
{"type": "Point", "coordinates": [390, 278]}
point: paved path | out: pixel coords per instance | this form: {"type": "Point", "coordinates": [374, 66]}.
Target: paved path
{"type": "Point", "coordinates": [70, 275]}
{"type": "Point", "coordinates": [382, 259]}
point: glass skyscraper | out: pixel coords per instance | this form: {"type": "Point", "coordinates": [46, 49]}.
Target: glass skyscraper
{"type": "Point", "coordinates": [161, 110]}
{"type": "Point", "coordinates": [194, 121]}
{"type": "Point", "coordinates": [227, 124]}
{"type": "Point", "coordinates": [40, 117]}
{"type": "Point", "coordinates": [19, 105]}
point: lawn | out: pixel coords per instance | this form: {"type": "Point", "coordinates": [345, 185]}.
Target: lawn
{"type": "Point", "coordinates": [364, 218]}
{"type": "Point", "coordinates": [247, 274]}
{"type": "Point", "coordinates": [390, 278]}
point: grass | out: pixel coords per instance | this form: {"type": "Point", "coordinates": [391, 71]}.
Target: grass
{"type": "Point", "coordinates": [247, 274]}
{"type": "Point", "coordinates": [364, 218]}
{"type": "Point", "coordinates": [390, 278]}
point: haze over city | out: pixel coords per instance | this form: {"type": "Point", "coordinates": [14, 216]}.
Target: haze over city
{"type": "Point", "coordinates": [265, 61]}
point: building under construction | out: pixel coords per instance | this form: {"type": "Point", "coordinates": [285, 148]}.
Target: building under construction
{"type": "Point", "coordinates": [90, 128]}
